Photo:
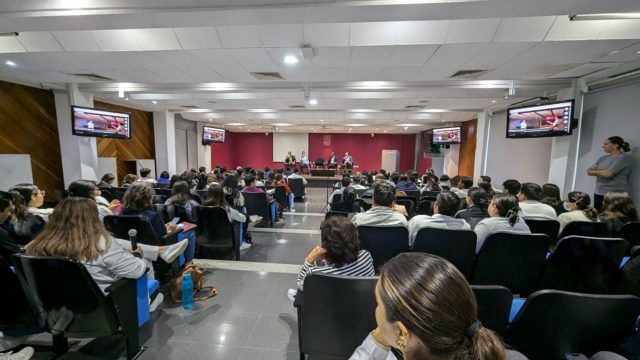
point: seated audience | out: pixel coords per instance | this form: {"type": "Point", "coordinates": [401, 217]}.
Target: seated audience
{"type": "Point", "coordinates": [181, 196]}
{"type": "Point", "coordinates": [164, 178]}
{"type": "Point", "coordinates": [405, 184]}
{"type": "Point", "coordinates": [296, 175]}
{"type": "Point", "coordinates": [444, 208]}
{"type": "Point", "coordinates": [477, 203]}
{"type": "Point", "coordinates": [280, 182]}
{"type": "Point", "coordinates": [485, 183]}
{"type": "Point", "coordinates": [107, 180]}
{"type": "Point", "coordinates": [339, 253]}
{"type": "Point", "coordinates": [382, 213]}
{"type": "Point", "coordinates": [130, 179]}
{"type": "Point", "coordinates": [618, 210]}
{"type": "Point", "coordinates": [358, 183]}
{"type": "Point", "coordinates": [445, 181]}
{"type": "Point", "coordinates": [250, 187]}
{"type": "Point", "coordinates": [343, 184]}
{"type": "Point", "coordinates": [8, 244]}
{"type": "Point", "coordinates": [427, 310]}
{"type": "Point", "coordinates": [348, 202]}
{"type": "Point", "coordinates": [503, 212]}
{"type": "Point", "coordinates": [511, 186]}
{"type": "Point", "coordinates": [215, 197]}
{"type": "Point", "coordinates": [144, 176]}
{"type": "Point", "coordinates": [231, 192]}
{"type": "Point", "coordinates": [29, 218]}
{"type": "Point", "coordinates": [173, 180]}
{"type": "Point", "coordinates": [88, 189]}
{"type": "Point", "coordinates": [430, 183]}
{"type": "Point", "coordinates": [551, 197]}
{"type": "Point", "coordinates": [580, 209]}
{"type": "Point", "coordinates": [530, 205]}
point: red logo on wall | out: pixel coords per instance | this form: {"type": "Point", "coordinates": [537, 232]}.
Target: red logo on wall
{"type": "Point", "coordinates": [326, 140]}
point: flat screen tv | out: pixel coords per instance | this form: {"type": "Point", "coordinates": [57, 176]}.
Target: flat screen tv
{"type": "Point", "coordinates": [100, 123]}
{"type": "Point", "coordinates": [446, 136]}
{"type": "Point", "coordinates": [551, 119]}
{"type": "Point", "coordinates": [211, 135]}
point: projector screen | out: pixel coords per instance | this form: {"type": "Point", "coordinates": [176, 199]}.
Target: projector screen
{"type": "Point", "coordinates": [285, 142]}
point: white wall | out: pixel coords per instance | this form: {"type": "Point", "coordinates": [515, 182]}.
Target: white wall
{"type": "Point", "coordinates": [527, 160]}
{"type": "Point", "coordinates": [451, 159]}
{"type": "Point", "coordinates": [186, 144]}
{"type": "Point", "coordinates": [165, 141]}
{"type": "Point", "coordinates": [16, 169]}
{"type": "Point", "coordinates": [612, 112]}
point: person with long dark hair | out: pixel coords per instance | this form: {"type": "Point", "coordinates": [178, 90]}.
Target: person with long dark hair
{"type": "Point", "coordinates": [427, 310]}
{"type": "Point", "coordinates": [618, 209]}
{"type": "Point", "coordinates": [181, 196]}
{"type": "Point", "coordinates": [503, 211]}
{"type": "Point", "coordinates": [232, 194]}
{"type": "Point", "coordinates": [29, 216]}
{"type": "Point", "coordinates": [477, 202]}
{"type": "Point", "coordinates": [551, 197]}
{"type": "Point", "coordinates": [215, 197]}
{"type": "Point", "coordinates": [580, 209]}
{"type": "Point", "coordinates": [612, 171]}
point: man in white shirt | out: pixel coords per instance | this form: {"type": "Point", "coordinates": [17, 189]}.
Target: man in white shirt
{"type": "Point", "coordinates": [144, 176]}
{"type": "Point", "coordinates": [296, 175]}
{"type": "Point", "coordinates": [530, 205]}
{"type": "Point", "coordinates": [445, 207]}
{"type": "Point", "coordinates": [382, 213]}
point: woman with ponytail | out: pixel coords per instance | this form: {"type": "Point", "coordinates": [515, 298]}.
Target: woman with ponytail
{"type": "Point", "coordinates": [580, 209]}
{"type": "Point", "coordinates": [477, 202]}
{"type": "Point", "coordinates": [426, 310]}
{"type": "Point", "coordinates": [612, 171]}
{"type": "Point", "coordinates": [503, 211]}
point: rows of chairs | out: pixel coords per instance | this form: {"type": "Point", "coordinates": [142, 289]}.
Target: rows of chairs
{"type": "Point", "coordinates": [336, 313]}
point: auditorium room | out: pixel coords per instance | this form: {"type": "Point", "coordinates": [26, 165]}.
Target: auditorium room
{"type": "Point", "coordinates": [320, 180]}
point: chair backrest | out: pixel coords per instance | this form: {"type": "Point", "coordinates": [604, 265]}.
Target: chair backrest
{"type": "Point", "coordinates": [404, 199]}
{"type": "Point", "coordinates": [106, 193]}
{"type": "Point", "coordinates": [383, 242]}
{"type": "Point", "coordinates": [331, 214]}
{"type": "Point", "coordinates": [408, 204]}
{"type": "Point", "coordinates": [586, 228]}
{"type": "Point", "coordinates": [256, 204]}
{"type": "Point", "coordinates": [337, 198]}
{"type": "Point", "coordinates": [631, 233]}
{"type": "Point", "coordinates": [15, 312]}
{"type": "Point", "coordinates": [336, 314]}
{"type": "Point", "coordinates": [494, 306]}
{"type": "Point", "coordinates": [280, 196]}
{"type": "Point", "coordinates": [584, 264]}
{"type": "Point", "coordinates": [431, 195]}
{"type": "Point", "coordinates": [164, 192]}
{"type": "Point", "coordinates": [456, 246]}
{"type": "Point", "coordinates": [553, 323]}
{"type": "Point", "coordinates": [167, 212]}
{"type": "Point", "coordinates": [66, 297]}
{"type": "Point", "coordinates": [60, 194]}
{"type": "Point", "coordinates": [119, 226]}
{"type": "Point", "coordinates": [297, 187]}
{"type": "Point", "coordinates": [118, 192]}
{"type": "Point", "coordinates": [214, 228]}
{"type": "Point", "coordinates": [547, 227]}
{"type": "Point", "coordinates": [425, 207]}
{"type": "Point", "coordinates": [361, 192]}
{"type": "Point", "coordinates": [413, 194]}
{"type": "Point", "coordinates": [515, 261]}
{"type": "Point", "coordinates": [202, 194]}
{"type": "Point", "coordinates": [159, 199]}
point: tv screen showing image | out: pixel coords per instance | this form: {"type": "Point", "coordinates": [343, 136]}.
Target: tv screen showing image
{"type": "Point", "coordinates": [100, 123]}
{"type": "Point", "coordinates": [212, 135]}
{"type": "Point", "coordinates": [445, 136]}
{"type": "Point", "coordinates": [552, 119]}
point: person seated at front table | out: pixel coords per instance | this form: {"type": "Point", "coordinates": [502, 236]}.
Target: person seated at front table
{"type": "Point", "coordinates": [530, 205]}
{"type": "Point", "coordinates": [405, 184]}
{"type": "Point", "coordinates": [347, 161]}
{"type": "Point", "coordinates": [290, 160]}
{"type": "Point", "coordinates": [503, 210]}
{"type": "Point", "coordinates": [444, 208]}
{"type": "Point", "coordinates": [332, 161]}
{"type": "Point", "coordinates": [304, 160]}
{"type": "Point", "coordinates": [339, 254]}
{"type": "Point", "coordinates": [382, 213]}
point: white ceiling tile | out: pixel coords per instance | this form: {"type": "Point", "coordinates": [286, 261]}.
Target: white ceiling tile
{"type": "Point", "coordinates": [496, 54]}
{"type": "Point", "coordinates": [175, 76]}
{"type": "Point", "coordinates": [234, 37]}
{"type": "Point", "coordinates": [331, 74]}
{"type": "Point", "coordinates": [76, 40]}
{"type": "Point", "coordinates": [198, 38]}
{"type": "Point", "coordinates": [435, 73]}
{"type": "Point", "coordinates": [35, 41]}
{"type": "Point", "coordinates": [372, 34]}
{"type": "Point", "coordinates": [156, 39]}
{"type": "Point", "coordinates": [411, 55]}
{"type": "Point", "coordinates": [277, 56]}
{"type": "Point", "coordinates": [275, 36]}
{"type": "Point", "coordinates": [370, 56]}
{"type": "Point", "coordinates": [584, 70]}
{"type": "Point", "coordinates": [449, 55]}
{"type": "Point", "coordinates": [10, 44]}
{"type": "Point", "coordinates": [331, 57]}
{"type": "Point", "coordinates": [421, 32]}
{"type": "Point", "coordinates": [564, 29]}
{"type": "Point", "coordinates": [298, 74]}
{"type": "Point", "coordinates": [364, 74]}
{"type": "Point", "coordinates": [116, 40]}
{"type": "Point", "coordinates": [235, 75]}
{"type": "Point", "coordinates": [204, 75]}
{"type": "Point", "coordinates": [620, 29]}
{"type": "Point", "coordinates": [256, 59]}
{"type": "Point", "coordinates": [629, 53]}
{"type": "Point", "coordinates": [326, 34]}
{"type": "Point", "coordinates": [399, 73]}
{"type": "Point", "coordinates": [523, 28]}
{"type": "Point", "coordinates": [215, 59]}
{"type": "Point", "coordinates": [180, 59]}
{"type": "Point", "coordinates": [472, 31]}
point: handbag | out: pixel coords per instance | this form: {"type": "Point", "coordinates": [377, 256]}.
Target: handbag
{"type": "Point", "coordinates": [197, 273]}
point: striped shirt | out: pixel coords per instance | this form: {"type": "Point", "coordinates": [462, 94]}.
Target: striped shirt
{"type": "Point", "coordinates": [363, 266]}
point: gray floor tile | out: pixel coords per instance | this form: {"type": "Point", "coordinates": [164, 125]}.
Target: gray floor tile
{"type": "Point", "coordinates": [279, 303]}
{"type": "Point", "coordinates": [281, 247]}
{"type": "Point", "coordinates": [275, 332]}
{"type": "Point", "coordinates": [214, 352]}
{"type": "Point", "coordinates": [264, 354]}
{"type": "Point", "coordinates": [174, 350]}
{"type": "Point", "coordinates": [230, 328]}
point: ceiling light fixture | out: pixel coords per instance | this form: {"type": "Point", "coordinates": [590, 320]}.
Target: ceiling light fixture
{"type": "Point", "coordinates": [493, 101]}
{"type": "Point", "coordinates": [313, 102]}
{"type": "Point", "coordinates": [290, 60]}
{"type": "Point", "coordinates": [605, 16]}
{"type": "Point", "coordinates": [154, 102]}
{"type": "Point", "coordinates": [10, 63]}
{"type": "Point", "coordinates": [120, 92]}
{"type": "Point", "coordinates": [126, 98]}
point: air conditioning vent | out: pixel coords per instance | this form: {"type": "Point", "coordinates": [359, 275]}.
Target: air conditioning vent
{"type": "Point", "coordinates": [93, 77]}
{"type": "Point", "coordinates": [190, 107]}
{"type": "Point", "coordinates": [414, 107]}
{"type": "Point", "coordinates": [297, 107]}
{"type": "Point", "coordinates": [468, 74]}
{"type": "Point", "coordinates": [262, 76]}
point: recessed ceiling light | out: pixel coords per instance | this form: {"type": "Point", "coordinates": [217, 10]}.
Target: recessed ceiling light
{"type": "Point", "coordinates": [313, 102]}
{"type": "Point", "coordinates": [493, 101]}
{"type": "Point", "coordinates": [385, 131]}
{"type": "Point", "coordinates": [10, 63]}
{"type": "Point", "coordinates": [443, 120]}
{"type": "Point", "coordinates": [638, 52]}
{"type": "Point", "coordinates": [321, 120]}
{"type": "Point", "coordinates": [154, 102]}
{"type": "Point", "coordinates": [290, 60]}
{"type": "Point", "coordinates": [236, 124]}
{"type": "Point", "coordinates": [126, 99]}
{"type": "Point", "coordinates": [210, 120]}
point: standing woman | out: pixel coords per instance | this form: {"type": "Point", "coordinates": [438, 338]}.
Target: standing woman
{"type": "Point", "coordinates": [612, 171]}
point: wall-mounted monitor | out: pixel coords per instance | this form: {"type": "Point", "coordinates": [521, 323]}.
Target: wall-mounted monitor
{"type": "Point", "coordinates": [551, 119]}
{"type": "Point", "coordinates": [211, 135]}
{"type": "Point", "coordinates": [446, 136]}
{"type": "Point", "coordinates": [100, 123]}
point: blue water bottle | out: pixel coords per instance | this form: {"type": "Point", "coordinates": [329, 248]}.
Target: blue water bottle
{"type": "Point", "coordinates": [187, 292]}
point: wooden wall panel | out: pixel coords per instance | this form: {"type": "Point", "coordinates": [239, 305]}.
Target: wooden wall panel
{"type": "Point", "coordinates": [468, 148]}
{"type": "Point", "coordinates": [28, 125]}
{"type": "Point", "coordinates": [140, 146]}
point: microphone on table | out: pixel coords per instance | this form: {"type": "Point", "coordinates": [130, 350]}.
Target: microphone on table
{"type": "Point", "coordinates": [133, 237]}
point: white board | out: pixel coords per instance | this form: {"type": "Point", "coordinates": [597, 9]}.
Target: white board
{"type": "Point", "coordinates": [285, 142]}
{"type": "Point", "coordinates": [15, 169]}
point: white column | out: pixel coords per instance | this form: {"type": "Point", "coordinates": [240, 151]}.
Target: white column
{"type": "Point", "coordinates": [204, 151]}
{"type": "Point", "coordinates": [79, 153]}
{"type": "Point", "coordinates": [164, 133]}
{"type": "Point", "coordinates": [452, 160]}
{"type": "Point", "coordinates": [482, 132]}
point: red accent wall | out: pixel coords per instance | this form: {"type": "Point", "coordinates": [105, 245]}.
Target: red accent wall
{"type": "Point", "coordinates": [256, 149]}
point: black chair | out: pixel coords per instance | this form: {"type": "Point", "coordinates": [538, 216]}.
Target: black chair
{"type": "Point", "coordinates": [413, 194]}
{"type": "Point", "coordinates": [425, 207]}
{"type": "Point", "coordinates": [168, 212]}
{"type": "Point", "coordinates": [586, 228]}
{"type": "Point", "coordinates": [631, 233]}
{"type": "Point", "coordinates": [404, 199]}
{"type": "Point", "coordinates": [202, 194]}
{"type": "Point", "coordinates": [297, 188]}
{"type": "Point", "coordinates": [331, 214]}
{"type": "Point", "coordinates": [456, 246]}
{"type": "Point", "coordinates": [118, 193]}
{"type": "Point", "coordinates": [280, 196]}
{"type": "Point", "coordinates": [119, 226]}
{"type": "Point", "coordinates": [408, 204]}
{"type": "Point", "coordinates": [16, 317]}
{"type": "Point", "coordinates": [69, 304]}
{"type": "Point", "coordinates": [106, 193]}
{"type": "Point", "coordinates": [164, 192]}
{"type": "Point", "coordinates": [584, 264]}
{"type": "Point", "coordinates": [515, 261]}
{"type": "Point", "coordinates": [553, 323]}
{"type": "Point", "coordinates": [159, 199]}
{"type": "Point", "coordinates": [494, 306]}
{"type": "Point", "coordinates": [60, 195]}
{"type": "Point", "coordinates": [335, 313]}
{"type": "Point", "coordinates": [319, 163]}
{"type": "Point", "coordinates": [431, 195]}
{"type": "Point", "coordinates": [258, 204]}
{"type": "Point", "coordinates": [551, 228]}
{"type": "Point", "coordinates": [215, 231]}
{"type": "Point", "coordinates": [337, 198]}
{"type": "Point", "coordinates": [383, 242]}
